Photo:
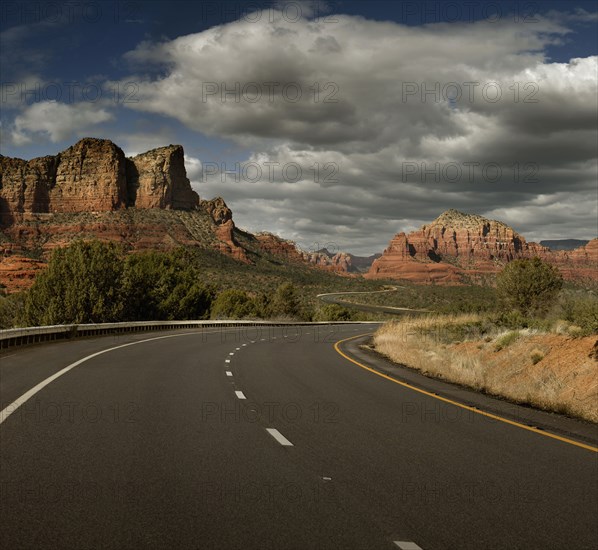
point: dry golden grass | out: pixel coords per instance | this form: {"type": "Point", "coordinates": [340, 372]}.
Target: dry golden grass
{"type": "Point", "coordinates": [550, 371]}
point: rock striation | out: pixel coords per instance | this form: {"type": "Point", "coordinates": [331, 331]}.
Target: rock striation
{"type": "Point", "coordinates": [94, 176]}
{"type": "Point", "coordinates": [158, 179]}
{"type": "Point", "coordinates": [457, 248]}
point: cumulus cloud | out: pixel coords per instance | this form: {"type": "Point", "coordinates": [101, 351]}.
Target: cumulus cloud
{"type": "Point", "coordinates": [413, 119]}
{"type": "Point", "coordinates": [363, 128]}
{"type": "Point", "coordinates": [54, 121]}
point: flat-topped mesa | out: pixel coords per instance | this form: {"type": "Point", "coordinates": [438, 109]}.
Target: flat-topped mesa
{"type": "Point", "coordinates": [94, 176]}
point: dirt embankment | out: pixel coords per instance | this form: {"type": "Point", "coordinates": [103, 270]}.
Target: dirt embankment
{"type": "Point", "coordinates": [551, 371]}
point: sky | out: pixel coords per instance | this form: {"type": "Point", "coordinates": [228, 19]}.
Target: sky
{"type": "Point", "coordinates": [334, 124]}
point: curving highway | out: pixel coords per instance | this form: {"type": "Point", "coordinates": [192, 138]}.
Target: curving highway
{"type": "Point", "coordinates": [333, 298]}
{"type": "Point", "coordinates": [275, 438]}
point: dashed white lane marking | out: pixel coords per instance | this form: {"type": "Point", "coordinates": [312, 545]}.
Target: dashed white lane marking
{"type": "Point", "coordinates": [240, 395]}
{"type": "Point", "coordinates": [229, 373]}
{"type": "Point", "coordinates": [10, 409]}
{"type": "Point", "coordinates": [406, 545]}
{"type": "Point", "coordinates": [227, 360]}
{"type": "Point", "coordinates": [279, 437]}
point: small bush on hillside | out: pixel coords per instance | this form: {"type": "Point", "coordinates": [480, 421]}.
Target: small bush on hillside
{"type": "Point", "coordinates": [333, 312]}
{"type": "Point", "coordinates": [581, 311]}
{"type": "Point", "coordinates": [506, 340]}
{"type": "Point", "coordinates": [529, 287]}
{"type": "Point", "coordinates": [11, 310]}
{"type": "Point", "coordinates": [235, 304]}
{"type": "Point", "coordinates": [285, 302]}
{"type": "Point", "coordinates": [536, 356]}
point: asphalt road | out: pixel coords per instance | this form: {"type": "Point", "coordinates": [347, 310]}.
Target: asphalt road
{"type": "Point", "coordinates": [247, 439]}
{"type": "Point", "coordinates": [333, 298]}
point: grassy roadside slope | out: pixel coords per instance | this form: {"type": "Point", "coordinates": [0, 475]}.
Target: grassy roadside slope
{"type": "Point", "coordinates": [550, 369]}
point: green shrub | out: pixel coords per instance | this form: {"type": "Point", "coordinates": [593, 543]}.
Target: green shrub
{"type": "Point", "coordinates": [94, 282]}
{"type": "Point", "coordinates": [235, 304]}
{"type": "Point", "coordinates": [506, 340]}
{"type": "Point", "coordinates": [164, 286]}
{"type": "Point", "coordinates": [12, 309]}
{"type": "Point", "coordinates": [333, 312]}
{"type": "Point", "coordinates": [536, 356]}
{"type": "Point", "coordinates": [529, 287]}
{"type": "Point", "coordinates": [581, 310]}
{"type": "Point", "coordinates": [82, 284]}
{"type": "Point", "coordinates": [285, 301]}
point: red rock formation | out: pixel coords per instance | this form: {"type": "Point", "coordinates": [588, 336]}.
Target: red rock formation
{"type": "Point", "coordinates": [90, 176]}
{"type": "Point", "coordinates": [94, 176]}
{"type": "Point", "coordinates": [158, 179]}
{"type": "Point", "coordinates": [224, 228]}
{"type": "Point", "coordinates": [273, 244]}
{"type": "Point", "coordinates": [322, 259]}
{"type": "Point", "coordinates": [578, 264]}
{"type": "Point", "coordinates": [457, 247]}
{"type": "Point", "coordinates": [18, 272]}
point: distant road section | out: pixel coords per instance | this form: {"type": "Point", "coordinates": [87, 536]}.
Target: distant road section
{"type": "Point", "coordinates": [268, 438]}
{"type": "Point", "coordinates": [332, 298]}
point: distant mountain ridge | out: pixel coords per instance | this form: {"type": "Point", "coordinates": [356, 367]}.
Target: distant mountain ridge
{"type": "Point", "coordinates": [457, 247]}
{"type": "Point", "coordinates": [564, 244]}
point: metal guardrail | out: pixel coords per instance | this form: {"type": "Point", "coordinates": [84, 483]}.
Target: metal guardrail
{"type": "Point", "coordinates": [15, 337]}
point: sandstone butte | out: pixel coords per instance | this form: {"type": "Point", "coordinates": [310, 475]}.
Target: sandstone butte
{"type": "Point", "coordinates": [458, 248]}
{"type": "Point", "coordinates": [91, 190]}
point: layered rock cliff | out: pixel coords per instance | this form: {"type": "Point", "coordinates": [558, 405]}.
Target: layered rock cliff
{"type": "Point", "coordinates": [459, 247]}
{"type": "Point", "coordinates": [91, 190]}
{"type": "Point", "coordinates": [94, 176]}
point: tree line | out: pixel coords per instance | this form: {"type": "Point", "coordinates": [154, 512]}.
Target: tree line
{"type": "Point", "coordinates": [98, 282]}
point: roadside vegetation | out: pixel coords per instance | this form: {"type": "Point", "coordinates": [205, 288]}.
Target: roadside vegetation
{"type": "Point", "coordinates": [94, 282]}
{"type": "Point", "coordinates": [537, 346]}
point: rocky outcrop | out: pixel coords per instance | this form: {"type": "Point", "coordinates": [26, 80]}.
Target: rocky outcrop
{"type": "Point", "coordinates": [578, 264]}
{"type": "Point", "coordinates": [322, 259]}
{"type": "Point", "coordinates": [94, 176]}
{"type": "Point", "coordinates": [18, 272]}
{"type": "Point", "coordinates": [158, 179]}
{"type": "Point", "coordinates": [90, 176]}
{"type": "Point", "coordinates": [459, 247]}
{"type": "Point", "coordinates": [222, 217]}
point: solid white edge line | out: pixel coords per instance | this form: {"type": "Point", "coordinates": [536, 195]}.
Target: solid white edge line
{"type": "Point", "coordinates": [240, 395]}
{"type": "Point", "coordinates": [7, 411]}
{"type": "Point", "coordinates": [407, 545]}
{"type": "Point", "coordinates": [279, 437]}
{"type": "Point", "coordinates": [229, 373]}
